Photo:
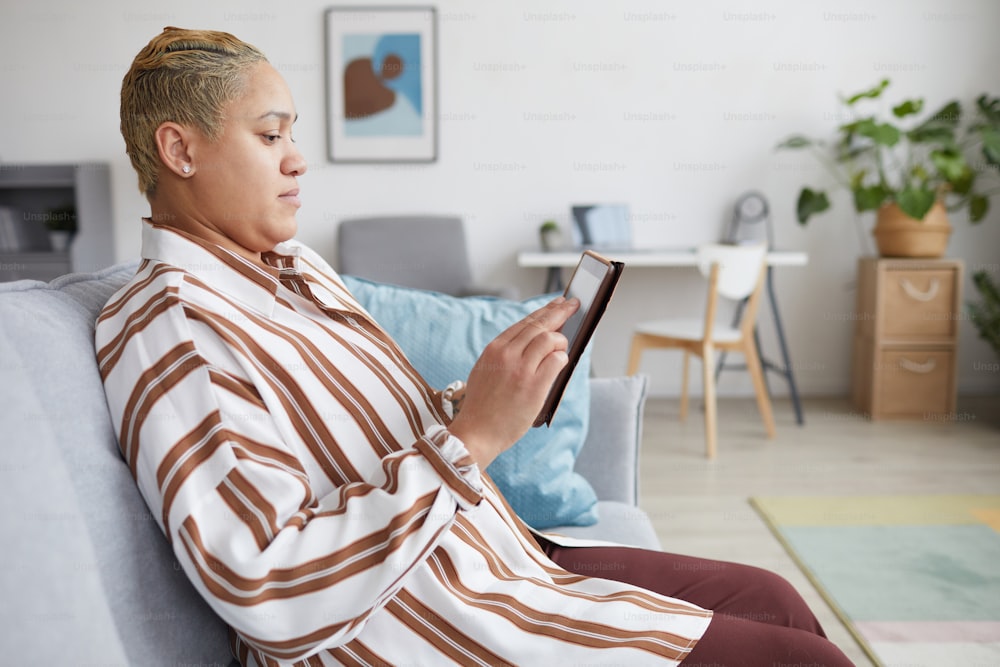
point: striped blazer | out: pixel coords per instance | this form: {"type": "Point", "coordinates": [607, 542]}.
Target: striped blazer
{"type": "Point", "coordinates": [303, 473]}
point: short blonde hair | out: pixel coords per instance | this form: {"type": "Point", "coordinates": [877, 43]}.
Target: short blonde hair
{"type": "Point", "coordinates": [183, 76]}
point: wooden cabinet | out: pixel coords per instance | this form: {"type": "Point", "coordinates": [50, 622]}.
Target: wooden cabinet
{"type": "Point", "coordinates": [906, 337]}
{"type": "Point", "coordinates": [31, 194]}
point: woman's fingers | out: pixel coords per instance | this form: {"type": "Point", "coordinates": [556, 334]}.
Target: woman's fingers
{"type": "Point", "coordinates": [537, 351]}
{"type": "Point", "coordinates": [526, 344]}
{"type": "Point", "coordinates": [511, 379]}
{"type": "Point", "coordinates": [549, 317]}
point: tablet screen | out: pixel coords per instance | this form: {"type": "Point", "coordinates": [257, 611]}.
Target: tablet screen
{"type": "Point", "coordinates": [584, 286]}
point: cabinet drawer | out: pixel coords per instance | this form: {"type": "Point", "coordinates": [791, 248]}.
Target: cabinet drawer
{"type": "Point", "coordinates": [916, 383]}
{"type": "Point", "coordinates": [919, 303]}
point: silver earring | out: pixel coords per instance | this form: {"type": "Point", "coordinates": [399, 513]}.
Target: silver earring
{"type": "Point", "coordinates": [186, 169]}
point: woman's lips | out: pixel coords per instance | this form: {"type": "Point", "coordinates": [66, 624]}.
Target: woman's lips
{"type": "Point", "coordinates": [291, 197]}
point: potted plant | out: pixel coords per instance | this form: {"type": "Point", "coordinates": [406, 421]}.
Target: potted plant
{"type": "Point", "coordinates": [910, 172]}
{"type": "Point", "coordinates": [549, 235]}
{"type": "Point", "coordinates": [61, 223]}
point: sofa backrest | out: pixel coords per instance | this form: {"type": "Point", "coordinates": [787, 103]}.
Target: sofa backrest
{"type": "Point", "coordinates": [87, 576]}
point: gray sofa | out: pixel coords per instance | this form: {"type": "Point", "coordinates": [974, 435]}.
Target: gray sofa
{"type": "Point", "coordinates": [86, 575]}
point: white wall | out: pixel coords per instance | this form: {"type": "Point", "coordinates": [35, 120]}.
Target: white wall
{"type": "Point", "coordinates": [673, 107]}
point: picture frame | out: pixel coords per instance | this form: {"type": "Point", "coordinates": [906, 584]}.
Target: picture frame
{"type": "Point", "coordinates": [381, 84]}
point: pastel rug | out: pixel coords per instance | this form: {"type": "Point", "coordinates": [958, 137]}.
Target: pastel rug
{"type": "Point", "coordinates": [916, 579]}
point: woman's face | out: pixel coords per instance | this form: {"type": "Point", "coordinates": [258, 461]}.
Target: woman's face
{"type": "Point", "coordinates": [245, 183]}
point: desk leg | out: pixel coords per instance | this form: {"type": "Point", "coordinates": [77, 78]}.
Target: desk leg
{"type": "Point", "coordinates": [553, 279]}
{"type": "Point", "coordinates": [785, 358]}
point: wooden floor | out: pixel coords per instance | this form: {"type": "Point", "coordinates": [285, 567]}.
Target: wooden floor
{"type": "Point", "coordinates": [699, 507]}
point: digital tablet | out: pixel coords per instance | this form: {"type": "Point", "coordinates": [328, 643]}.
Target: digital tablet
{"type": "Point", "coordinates": [593, 282]}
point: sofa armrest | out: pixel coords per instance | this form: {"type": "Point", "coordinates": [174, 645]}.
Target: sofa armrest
{"type": "Point", "coordinates": [609, 459]}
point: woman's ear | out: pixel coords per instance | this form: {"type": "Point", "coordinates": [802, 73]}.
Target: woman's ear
{"type": "Point", "coordinates": [173, 145]}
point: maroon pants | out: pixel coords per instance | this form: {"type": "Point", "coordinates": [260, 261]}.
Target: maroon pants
{"type": "Point", "coordinates": [759, 618]}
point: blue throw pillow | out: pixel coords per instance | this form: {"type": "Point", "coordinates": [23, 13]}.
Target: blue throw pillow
{"type": "Point", "coordinates": [443, 337]}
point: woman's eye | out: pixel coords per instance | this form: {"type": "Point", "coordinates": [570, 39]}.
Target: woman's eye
{"type": "Point", "coordinates": [271, 138]}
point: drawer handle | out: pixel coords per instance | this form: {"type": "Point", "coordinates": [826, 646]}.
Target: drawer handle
{"type": "Point", "coordinates": [917, 294]}
{"type": "Point", "coordinates": [914, 367]}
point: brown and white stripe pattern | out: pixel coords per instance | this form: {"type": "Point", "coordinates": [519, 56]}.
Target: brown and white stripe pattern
{"type": "Point", "coordinates": [302, 470]}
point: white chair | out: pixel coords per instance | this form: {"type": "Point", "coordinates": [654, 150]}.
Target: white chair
{"type": "Point", "coordinates": [734, 272]}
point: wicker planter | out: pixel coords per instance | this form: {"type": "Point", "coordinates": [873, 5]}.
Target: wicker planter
{"type": "Point", "coordinates": [899, 235]}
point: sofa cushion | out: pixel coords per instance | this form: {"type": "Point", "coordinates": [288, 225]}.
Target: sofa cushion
{"type": "Point", "coordinates": [620, 523]}
{"type": "Point", "coordinates": [48, 569]}
{"type": "Point", "coordinates": [100, 532]}
{"type": "Point", "coordinates": [443, 336]}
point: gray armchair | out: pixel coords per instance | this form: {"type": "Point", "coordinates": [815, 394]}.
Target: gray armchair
{"type": "Point", "coordinates": [421, 251]}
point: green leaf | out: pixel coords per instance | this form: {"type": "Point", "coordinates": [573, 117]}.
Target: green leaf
{"type": "Point", "coordinates": [845, 154]}
{"type": "Point", "coordinates": [871, 93]}
{"type": "Point", "coordinates": [858, 178]}
{"type": "Point", "coordinates": [869, 198]}
{"type": "Point", "coordinates": [989, 109]}
{"type": "Point", "coordinates": [852, 127]}
{"type": "Point", "coordinates": [931, 134]}
{"type": "Point", "coordinates": [882, 134]}
{"type": "Point", "coordinates": [963, 184]}
{"type": "Point", "coordinates": [978, 207]}
{"type": "Point", "coordinates": [950, 114]}
{"type": "Point", "coordinates": [991, 145]}
{"type": "Point", "coordinates": [796, 141]}
{"type": "Point", "coordinates": [989, 290]}
{"type": "Point", "coordinates": [951, 164]}
{"type": "Point", "coordinates": [915, 202]}
{"type": "Point", "coordinates": [940, 127]}
{"type": "Point", "coordinates": [985, 313]}
{"type": "Point", "coordinates": [810, 203]}
{"type": "Point", "coordinates": [908, 108]}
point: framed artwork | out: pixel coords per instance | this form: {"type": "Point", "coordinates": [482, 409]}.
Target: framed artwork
{"type": "Point", "coordinates": [381, 84]}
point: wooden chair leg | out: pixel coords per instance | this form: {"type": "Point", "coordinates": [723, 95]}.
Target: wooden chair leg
{"type": "Point", "coordinates": [759, 386]}
{"type": "Point", "coordinates": [708, 373]}
{"type": "Point", "coordinates": [684, 386]}
{"type": "Point", "coordinates": [634, 355]}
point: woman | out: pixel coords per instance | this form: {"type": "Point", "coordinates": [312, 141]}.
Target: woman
{"type": "Point", "coordinates": [326, 502]}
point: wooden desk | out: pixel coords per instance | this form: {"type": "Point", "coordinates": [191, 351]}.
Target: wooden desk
{"type": "Point", "coordinates": [555, 261]}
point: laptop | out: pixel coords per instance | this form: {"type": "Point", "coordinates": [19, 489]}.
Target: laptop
{"type": "Point", "coordinates": [602, 227]}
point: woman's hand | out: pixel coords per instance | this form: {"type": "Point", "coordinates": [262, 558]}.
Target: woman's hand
{"type": "Point", "coordinates": [510, 381]}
